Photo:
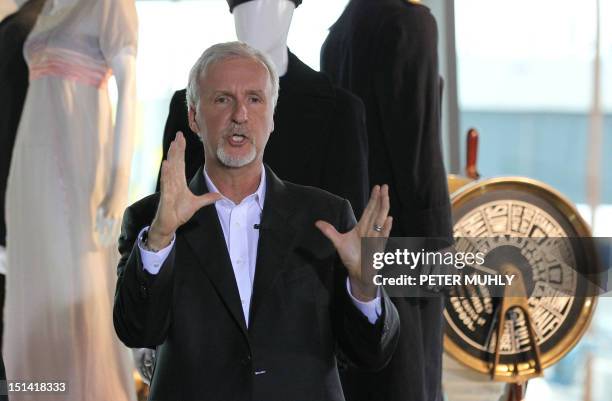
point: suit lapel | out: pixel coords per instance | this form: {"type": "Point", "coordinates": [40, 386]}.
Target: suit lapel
{"type": "Point", "coordinates": [205, 236]}
{"type": "Point", "coordinates": [276, 239]}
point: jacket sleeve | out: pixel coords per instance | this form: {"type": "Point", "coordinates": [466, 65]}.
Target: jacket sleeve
{"type": "Point", "coordinates": [141, 313]}
{"type": "Point", "coordinates": [367, 346]}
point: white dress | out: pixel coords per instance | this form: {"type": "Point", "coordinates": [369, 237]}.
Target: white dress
{"type": "Point", "coordinates": [60, 283]}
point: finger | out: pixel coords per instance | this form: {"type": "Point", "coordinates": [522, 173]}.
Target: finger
{"type": "Point", "coordinates": [364, 222]}
{"type": "Point", "coordinates": [172, 150]}
{"type": "Point", "coordinates": [168, 186]}
{"type": "Point", "coordinates": [373, 216]}
{"type": "Point", "coordinates": [181, 144]}
{"type": "Point", "coordinates": [386, 231]}
{"type": "Point", "coordinates": [207, 199]}
{"type": "Point", "coordinates": [383, 207]}
{"type": "Point", "coordinates": [176, 154]}
{"type": "Point", "coordinates": [330, 232]}
{"type": "Point", "coordinates": [163, 182]}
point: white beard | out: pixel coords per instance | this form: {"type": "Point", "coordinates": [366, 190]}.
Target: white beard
{"type": "Point", "coordinates": [235, 162]}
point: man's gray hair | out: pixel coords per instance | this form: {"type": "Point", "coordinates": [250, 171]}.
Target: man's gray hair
{"type": "Point", "coordinates": [222, 51]}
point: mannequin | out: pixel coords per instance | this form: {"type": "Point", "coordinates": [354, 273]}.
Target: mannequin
{"type": "Point", "coordinates": [110, 209]}
{"type": "Point", "coordinates": [385, 51]}
{"type": "Point", "coordinates": [319, 136]}
{"type": "Point", "coordinates": [69, 164]}
{"type": "Point", "coordinates": [264, 24]}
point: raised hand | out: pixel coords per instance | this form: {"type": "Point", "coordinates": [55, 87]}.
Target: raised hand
{"type": "Point", "coordinates": [374, 223]}
{"type": "Point", "coordinates": [177, 203]}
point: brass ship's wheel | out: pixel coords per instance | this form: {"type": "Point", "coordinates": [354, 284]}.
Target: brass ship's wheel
{"type": "Point", "coordinates": [526, 228]}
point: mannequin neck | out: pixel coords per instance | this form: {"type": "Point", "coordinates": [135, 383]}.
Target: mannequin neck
{"type": "Point", "coordinates": [280, 57]}
{"type": "Point", "coordinates": [264, 25]}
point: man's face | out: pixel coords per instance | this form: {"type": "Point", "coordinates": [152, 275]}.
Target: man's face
{"type": "Point", "coordinates": [235, 113]}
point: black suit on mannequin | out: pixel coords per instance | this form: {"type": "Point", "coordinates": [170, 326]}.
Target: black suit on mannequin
{"type": "Point", "coordinates": [385, 52]}
{"type": "Point", "coordinates": [300, 309]}
{"type": "Point", "coordinates": [14, 30]}
{"type": "Point", "coordinates": [319, 136]}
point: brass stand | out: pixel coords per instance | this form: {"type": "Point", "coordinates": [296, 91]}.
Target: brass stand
{"type": "Point", "coordinates": [517, 391]}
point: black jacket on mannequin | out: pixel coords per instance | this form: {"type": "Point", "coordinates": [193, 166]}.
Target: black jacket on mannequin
{"type": "Point", "coordinates": [319, 137]}
{"type": "Point", "coordinates": [385, 52]}
{"type": "Point", "coordinates": [14, 30]}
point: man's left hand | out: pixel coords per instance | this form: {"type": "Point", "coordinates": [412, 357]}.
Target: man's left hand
{"type": "Point", "coordinates": [374, 223]}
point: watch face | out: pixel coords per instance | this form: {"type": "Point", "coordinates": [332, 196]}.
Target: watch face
{"type": "Point", "coordinates": [527, 225]}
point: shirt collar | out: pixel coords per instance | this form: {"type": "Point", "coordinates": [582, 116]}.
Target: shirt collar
{"type": "Point", "coordinates": [259, 195]}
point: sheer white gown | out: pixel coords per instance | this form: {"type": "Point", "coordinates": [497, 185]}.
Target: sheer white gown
{"type": "Point", "coordinates": [60, 282]}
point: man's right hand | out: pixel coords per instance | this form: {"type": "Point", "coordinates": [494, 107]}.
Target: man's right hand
{"type": "Point", "coordinates": [177, 203]}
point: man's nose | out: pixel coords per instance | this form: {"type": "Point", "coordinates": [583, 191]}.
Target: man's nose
{"type": "Point", "coordinates": [240, 114]}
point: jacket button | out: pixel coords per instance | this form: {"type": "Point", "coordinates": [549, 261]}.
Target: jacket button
{"type": "Point", "coordinates": [144, 293]}
{"type": "Point", "coordinates": [245, 361]}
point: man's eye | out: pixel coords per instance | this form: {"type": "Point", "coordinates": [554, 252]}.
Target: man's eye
{"type": "Point", "coordinates": [221, 99]}
{"type": "Point", "coordinates": [255, 99]}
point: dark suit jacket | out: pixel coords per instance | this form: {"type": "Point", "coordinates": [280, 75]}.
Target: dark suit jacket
{"type": "Point", "coordinates": [14, 30]}
{"type": "Point", "coordinates": [300, 310]}
{"type": "Point", "coordinates": [319, 136]}
{"type": "Point", "coordinates": [385, 51]}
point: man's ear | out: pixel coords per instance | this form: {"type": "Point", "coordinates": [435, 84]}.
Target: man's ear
{"type": "Point", "coordinates": [193, 123]}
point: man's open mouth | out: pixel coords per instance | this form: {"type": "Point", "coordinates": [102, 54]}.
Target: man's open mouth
{"type": "Point", "coordinates": [237, 139]}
